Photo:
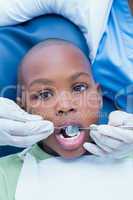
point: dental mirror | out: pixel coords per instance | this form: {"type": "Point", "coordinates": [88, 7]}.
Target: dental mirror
{"type": "Point", "coordinates": [72, 130]}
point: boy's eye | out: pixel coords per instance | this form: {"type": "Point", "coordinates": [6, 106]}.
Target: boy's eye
{"type": "Point", "coordinates": [44, 95]}
{"type": "Point", "coordinates": [80, 87]}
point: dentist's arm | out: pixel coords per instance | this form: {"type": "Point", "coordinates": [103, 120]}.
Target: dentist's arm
{"type": "Point", "coordinates": [20, 129]}
{"type": "Point", "coordinates": [111, 140]}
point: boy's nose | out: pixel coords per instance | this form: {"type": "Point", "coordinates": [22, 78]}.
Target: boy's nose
{"type": "Point", "coordinates": [65, 105]}
{"type": "Point", "coordinates": [64, 112]}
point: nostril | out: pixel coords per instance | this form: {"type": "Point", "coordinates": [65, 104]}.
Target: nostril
{"type": "Point", "coordinates": [61, 112]}
{"type": "Point", "coordinates": [72, 110]}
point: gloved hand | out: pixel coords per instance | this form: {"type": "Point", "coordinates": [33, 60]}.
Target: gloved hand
{"type": "Point", "coordinates": [115, 139]}
{"type": "Point", "coordinates": [20, 129]}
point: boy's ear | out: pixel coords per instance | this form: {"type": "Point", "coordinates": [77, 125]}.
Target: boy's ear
{"type": "Point", "coordinates": [20, 102]}
{"type": "Point", "coordinates": [98, 87]}
{"type": "Point", "coordinates": [20, 98]}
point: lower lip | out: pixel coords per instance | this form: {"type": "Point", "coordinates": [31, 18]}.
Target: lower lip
{"type": "Point", "coordinates": [71, 143]}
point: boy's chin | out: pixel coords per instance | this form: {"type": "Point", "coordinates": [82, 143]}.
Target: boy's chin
{"type": "Point", "coordinates": [67, 154]}
{"type": "Point", "coordinates": [72, 154]}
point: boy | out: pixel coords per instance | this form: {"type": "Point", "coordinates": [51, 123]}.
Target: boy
{"type": "Point", "coordinates": [58, 85]}
{"type": "Point", "coordinates": [56, 82]}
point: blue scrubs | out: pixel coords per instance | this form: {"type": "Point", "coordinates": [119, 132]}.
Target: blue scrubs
{"type": "Point", "coordinates": [113, 67]}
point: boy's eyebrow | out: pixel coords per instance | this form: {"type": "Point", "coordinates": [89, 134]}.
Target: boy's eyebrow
{"type": "Point", "coordinates": [43, 81]}
{"type": "Point", "coordinates": [49, 82]}
{"type": "Point", "coordinates": [77, 75]}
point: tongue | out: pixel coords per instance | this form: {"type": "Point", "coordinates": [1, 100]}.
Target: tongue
{"type": "Point", "coordinates": [63, 132]}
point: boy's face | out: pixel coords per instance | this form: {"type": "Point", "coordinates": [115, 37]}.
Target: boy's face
{"type": "Point", "coordinates": [59, 86]}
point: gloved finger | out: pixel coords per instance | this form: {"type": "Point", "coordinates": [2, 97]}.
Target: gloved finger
{"type": "Point", "coordinates": [10, 110]}
{"type": "Point", "coordinates": [24, 116]}
{"type": "Point", "coordinates": [27, 141]}
{"type": "Point", "coordinates": [106, 140]}
{"type": "Point", "coordinates": [20, 139]}
{"type": "Point", "coordinates": [123, 135]}
{"type": "Point", "coordinates": [5, 139]}
{"type": "Point", "coordinates": [23, 142]}
{"type": "Point", "coordinates": [104, 147]}
{"type": "Point", "coordinates": [16, 128]}
{"type": "Point", "coordinates": [94, 149]}
{"type": "Point", "coordinates": [11, 127]}
{"type": "Point", "coordinates": [38, 127]}
{"type": "Point", "coordinates": [123, 151]}
{"type": "Point", "coordinates": [120, 118]}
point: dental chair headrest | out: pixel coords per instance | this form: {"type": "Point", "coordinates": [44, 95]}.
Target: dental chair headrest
{"type": "Point", "coordinates": [15, 41]}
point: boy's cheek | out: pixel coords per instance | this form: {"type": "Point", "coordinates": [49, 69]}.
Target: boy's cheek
{"type": "Point", "coordinates": [89, 100]}
{"type": "Point", "coordinates": [46, 114]}
{"type": "Point", "coordinates": [93, 101]}
{"type": "Point", "coordinates": [39, 108]}
{"type": "Point", "coordinates": [90, 108]}
{"type": "Point", "coordinates": [89, 114]}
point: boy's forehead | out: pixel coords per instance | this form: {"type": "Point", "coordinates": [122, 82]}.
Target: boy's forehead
{"type": "Point", "coordinates": [53, 55]}
{"type": "Point", "coordinates": [53, 46]}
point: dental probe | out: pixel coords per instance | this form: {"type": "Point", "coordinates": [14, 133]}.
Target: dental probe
{"type": "Point", "coordinates": [92, 127]}
{"type": "Point", "coordinates": [72, 126]}
{"type": "Point", "coordinates": [72, 130]}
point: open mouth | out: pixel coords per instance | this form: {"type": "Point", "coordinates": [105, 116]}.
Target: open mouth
{"type": "Point", "coordinates": [70, 140]}
{"type": "Point", "coordinates": [70, 131]}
